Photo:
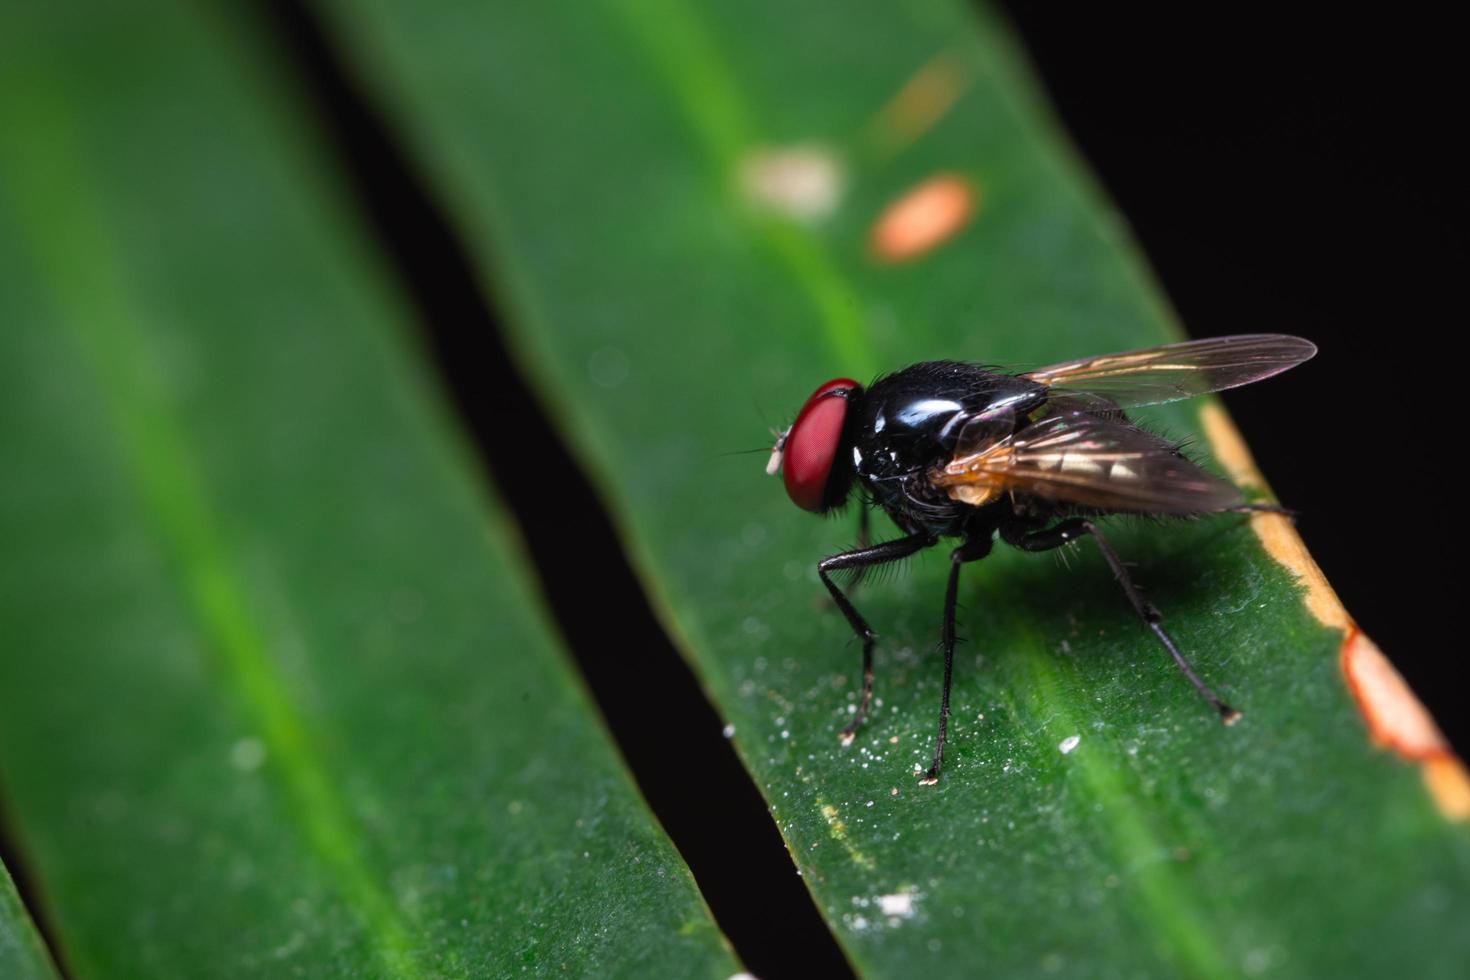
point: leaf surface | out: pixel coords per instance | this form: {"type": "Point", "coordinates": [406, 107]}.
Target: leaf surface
{"type": "Point", "coordinates": [618, 169]}
{"type": "Point", "coordinates": [276, 697]}
{"type": "Point", "coordinates": [22, 953]}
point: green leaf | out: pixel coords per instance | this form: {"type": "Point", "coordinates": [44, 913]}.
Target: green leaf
{"type": "Point", "coordinates": [277, 697]}
{"type": "Point", "coordinates": [599, 158]}
{"type": "Point", "coordinates": [22, 954]}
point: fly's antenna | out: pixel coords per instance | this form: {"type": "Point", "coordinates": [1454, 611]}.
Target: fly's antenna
{"type": "Point", "coordinates": [773, 466]}
{"type": "Point", "coordinates": [760, 410]}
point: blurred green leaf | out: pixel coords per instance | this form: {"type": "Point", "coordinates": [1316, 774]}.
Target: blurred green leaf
{"type": "Point", "coordinates": [600, 158]}
{"type": "Point", "coordinates": [22, 954]}
{"type": "Point", "coordinates": [276, 697]}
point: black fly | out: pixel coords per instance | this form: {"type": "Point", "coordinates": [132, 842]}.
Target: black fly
{"type": "Point", "coordinates": [953, 450]}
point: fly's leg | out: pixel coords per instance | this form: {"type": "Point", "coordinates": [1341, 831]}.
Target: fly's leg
{"type": "Point", "coordinates": [864, 540]}
{"type": "Point", "coordinates": [1071, 530]}
{"type": "Point", "coordinates": [860, 558]}
{"type": "Point", "coordinates": [972, 550]}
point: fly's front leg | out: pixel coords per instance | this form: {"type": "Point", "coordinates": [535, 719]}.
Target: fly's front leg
{"type": "Point", "coordinates": [1071, 530]}
{"type": "Point", "coordinates": [861, 558]}
{"type": "Point", "coordinates": [864, 540]}
{"type": "Point", "coordinates": [972, 550]}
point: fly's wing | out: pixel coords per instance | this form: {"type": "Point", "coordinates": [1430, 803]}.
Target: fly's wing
{"type": "Point", "coordinates": [1090, 462]}
{"type": "Point", "coordinates": [983, 430]}
{"type": "Point", "coordinates": [1175, 371]}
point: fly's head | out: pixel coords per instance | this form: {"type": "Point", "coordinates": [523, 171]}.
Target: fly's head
{"type": "Point", "coordinates": [814, 456]}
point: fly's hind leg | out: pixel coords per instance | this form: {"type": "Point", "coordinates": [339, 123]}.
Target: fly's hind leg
{"type": "Point", "coordinates": [972, 550]}
{"type": "Point", "coordinates": [861, 558]}
{"type": "Point", "coordinates": [1070, 530]}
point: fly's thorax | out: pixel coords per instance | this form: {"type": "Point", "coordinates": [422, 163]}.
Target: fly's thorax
{"type": "Point", "coordinates": [908, 427]}
{"type": "Point", "coordinates": [911, 421]}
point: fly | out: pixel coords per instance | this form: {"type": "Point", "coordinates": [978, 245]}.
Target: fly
{"type": "Point", "coordinates": [953, 450]}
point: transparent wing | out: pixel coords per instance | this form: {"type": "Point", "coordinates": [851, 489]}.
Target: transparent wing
{"type": "Point", "coordinates": [1175, 371]}
{"type": "Point", "coordinates": [1091, 462]}
{"type": "Point", "coordinates": [982, 431]}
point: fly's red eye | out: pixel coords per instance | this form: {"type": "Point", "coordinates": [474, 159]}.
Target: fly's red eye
{"type": "Point", "coordinates": [811, 444]}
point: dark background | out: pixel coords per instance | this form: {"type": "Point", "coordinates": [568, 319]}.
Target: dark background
{"type": "Point", "coordinates": [1299, 173]}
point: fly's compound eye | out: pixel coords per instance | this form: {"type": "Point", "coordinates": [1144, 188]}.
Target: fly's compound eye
{"type": "Point", "coordinates": [809, 448]}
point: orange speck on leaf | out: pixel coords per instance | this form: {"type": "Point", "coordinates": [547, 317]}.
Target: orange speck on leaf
{"type": "Point", "coordinates": [1399, 722]}
{"type": "Point", "coordinates": [1396, 719]}
{"type": "Point", "coordinates": [1448, 783]}
{"type": "Point", "coordinates": [922, 219]}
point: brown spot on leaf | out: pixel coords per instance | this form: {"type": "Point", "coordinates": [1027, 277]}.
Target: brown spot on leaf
{"type": "Point", "coordinates": [923, 218]}
{"type": "Point", "coordinates": [1395, 717]}
{"type": "Point", "coordinates": [920, 103]}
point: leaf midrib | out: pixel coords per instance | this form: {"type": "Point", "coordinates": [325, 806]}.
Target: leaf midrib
{"type": "Point", "coordinates": [1169, 898]}
{"type": "Point", "coordinates": [49, 184]}
{"type": "Point", "coordinates": [685, 53]}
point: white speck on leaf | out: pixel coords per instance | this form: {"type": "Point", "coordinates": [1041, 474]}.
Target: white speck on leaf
{"type": "Point", "coordinates": [608, 367]}
{"type": "Point", "coordinates": [899, 905]}
{"type": "Point", "coordinates": [1069, 743]}
{"type": "Point", "coordinates": [801, 182]}
{"type": "Point", "coordinates": [247, 754]}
